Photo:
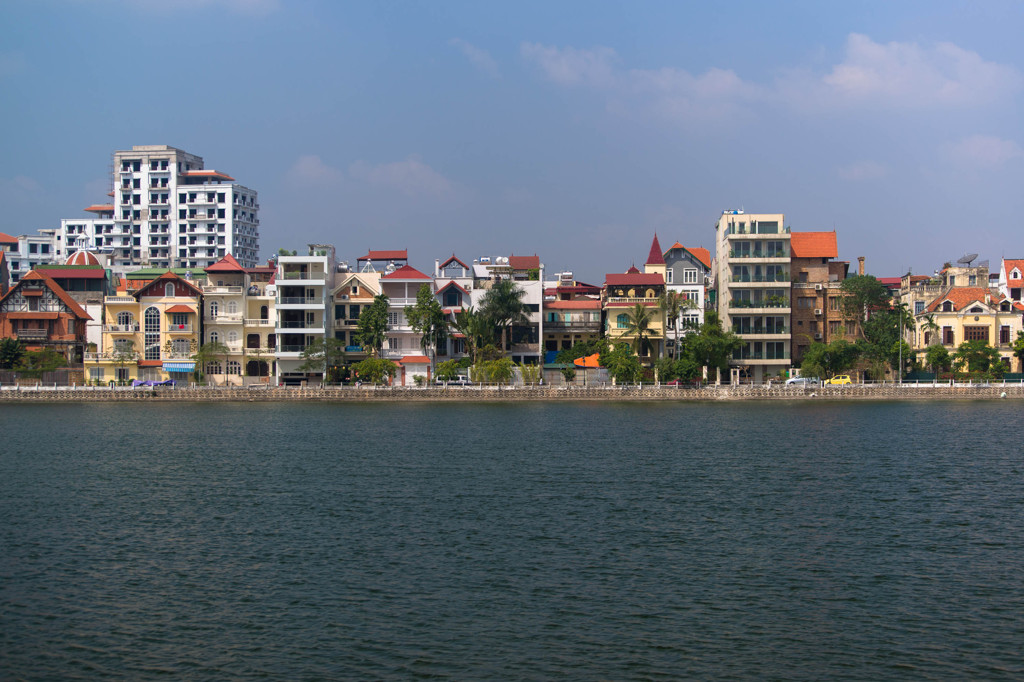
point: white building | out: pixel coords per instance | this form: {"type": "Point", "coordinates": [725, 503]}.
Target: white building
{"type": "Point", "coordinates": [168, 211]}
{"type": "Point", "coordinates": [31, 250]}
{"type": "Point", "coordinates": [304, 286]}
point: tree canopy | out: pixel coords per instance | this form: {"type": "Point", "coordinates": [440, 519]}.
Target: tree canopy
{"type": "Point", "coordinates": [373, 324]}
{"type": "Point", "coordinates": [503, 305]}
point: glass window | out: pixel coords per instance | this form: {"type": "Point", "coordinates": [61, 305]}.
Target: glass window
{"type": "Point", "coordinates": [622, 321]}
{"type": "Point", "coordinates": [152, 333]}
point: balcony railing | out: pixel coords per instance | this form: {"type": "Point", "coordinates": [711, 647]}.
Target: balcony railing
{"type": "Point", "coordinates": [338, 324]}
{"type": "Point", "coordinates": [780, 277]}
{"type": "Point", "coordinates": [314, 326]}
{"type": "Point", "coordinates": [293, 348]}
{"type": "Point", "coordinates": [252, 322]}
{"type": "Point", "coordinates": [224, 318]}
{"type": "Point", "coordinates": [223, 290]}
{"type": "Point", "coordinates": [179, 329]}
{"type": "Point", "coordinates": [758, 254]}
{"type": "Point", "coordinates": [32, 334]}
{"type": "Point", "coordinates": [120, 299]}
{"type": "Point", "coordinates": [631, 299]}
{"type": "Point", "coordinates": [581, 325]}
{"type": "Point", "coordinates": [739, 303]}
{"type": "Point", "coordinates": [298, 300]}
{"type": "Point", "coordinates": [760, 330]}
{"type": "Point", "coordinates": [121, 328]}
{"type": "Point", "coordinates": [302, 274]}
{"type": "Point", "coordinates": [763, 356]}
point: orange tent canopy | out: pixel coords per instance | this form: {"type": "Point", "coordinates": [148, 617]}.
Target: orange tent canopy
{"type": "Point", "coordinates": [588, 362]}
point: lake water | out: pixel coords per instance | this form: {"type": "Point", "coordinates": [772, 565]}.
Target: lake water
{"type": "Point", "coordinates": [523, 541]}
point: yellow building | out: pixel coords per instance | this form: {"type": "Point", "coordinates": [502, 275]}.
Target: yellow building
{"type": "Point", "coordinates": [151, 334]}
{"type": "Point", "coordinates": [969, 314]}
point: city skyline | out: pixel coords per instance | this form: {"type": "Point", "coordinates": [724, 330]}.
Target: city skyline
{"type": "Point", "coordinates": [574, 131]}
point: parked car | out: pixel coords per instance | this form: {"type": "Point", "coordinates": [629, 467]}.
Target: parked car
{"type": "Point", "coordinates": [840, 380]}
{"type": "Point", "coordinates": [458, 381]}
{"type": "Point", "coordinates": [803, 381]}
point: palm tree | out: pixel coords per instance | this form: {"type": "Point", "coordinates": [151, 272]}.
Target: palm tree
{"type": "Point", "coordinates": [639, 326]}
{"type": "Point", "coordinates": [929, 325]}
{"type": "Point", "coordinates": [475, 327]}
{"type": "Point", "coordinates": [674, 304]}
{"type": "Point", "coordinates": [503, 305]}
{"type": "Point", "coordinates": [210, 351]}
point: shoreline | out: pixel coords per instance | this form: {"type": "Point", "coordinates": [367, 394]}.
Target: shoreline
{"type": "Point", "coordinates": [913, 392]}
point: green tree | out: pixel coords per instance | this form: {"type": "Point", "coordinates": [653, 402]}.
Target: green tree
{"type": "Point", "coordinates": [622, 364]}
{"type": "Point", "coordinates": [450, 370]}
{"type": "Point", "coordinates": [569, 374]}
{"type": "Point", "coordinates": [582, 349]}
{"type": "Point", "coordinates": [862, 296]}
{"type": "Point", "coordinates": [325, 357]}
{"type": "Point", "coordinates": [640, 320]}
{"type": "Point", "coordinates": [427, 318]}
{"type": "Point", "coordinates": [475, 328]}
{"type": "Point", "coordinates": [35, 362]}
{"type": "Point", "coordinates": [373, 325]}
{"type": "Point", "coordinates": [124, 353]}
{"type": "Point", "coordinates": [673, 304]}
{"type": "Point", "coordinates": [374, 370]}
{"type": "Point", "coordinates": [503, 305]}
{"type": "Point", "coordinates": [827, 360]}
{"type": "Point", "coordinates": [531, 373]}
{"type": "Point", "coordinates": [208, 352]}
{"type": "Point", "coordinates": [938, 358]}
{"type": "Point", "coordinates": [976, 356]}
{"type": "Point", "coordinates": [1018, 349]}
{"type": "Point", "coordinates": [11, 351]}
{"type": "Point", "coordinates": [929, 326]}
{"type": "Point", "coordinates": [711, 347]}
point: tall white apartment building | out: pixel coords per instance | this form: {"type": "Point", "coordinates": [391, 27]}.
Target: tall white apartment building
{"type": "Point", "coordinates": [753, 281]}
{"type": "Point", "coordinates": [304, 286]}
{"type": "Point", "coordinates": [168, 211]}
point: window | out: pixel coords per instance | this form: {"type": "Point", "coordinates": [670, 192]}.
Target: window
{"type": "Point", "coordinates": [918, 307]}
{"type": "Point", "coordinates": [1004, 334]}
{"type": "Point", "coordinates": [122, 374]}
{"type": "Point", "coordinates": [805, 302]}
{"type": "Point", "coordinates": [668, 276]}
{"type": "Point", "coordinates": [947, 336]}
{"type": "Point", "coordinates": [234, 367]}
{"type": "Point", "coordinates": [452, 298]}
{"type": "Point", "coordinates": [232, 307]}
{"type": "Point", "coordinates": [622, 321]}
{"type": "Point", "coordinates": [179, 320]}
{"type": "Point", "coordinates": [125, 319]}
{"type": "Point", "coordinates": [213, 367]}
{"type": "Point", "coordinates": [214, 337]}
{"type": "Point", "coordinates": [252, 340]}
{"type": "Point", "coordinates": [834, 327]}
{"type": "Point", "coordinates": [975, 333]}
{"type": "Point", "coordinates": [833, 303]}
{"type": "Point", "coordinates": [690, 276]}
{"type": "Point", "coordinates": [180, 348]}
{"type": "Point", "coordinates": [394, 319]}
{"type": "Point", "coordinates": [232, 337]}
{"type": "Point", "coordinates": [214, 308]}
{"type": "Point", "coordinates": [96, 373]}
{"type": "Point", "coordinates": [169, 290]}
{"type": "Point", "coordinates": [152, 333]}
{"type": "Point", "coordinates": [947, 306]}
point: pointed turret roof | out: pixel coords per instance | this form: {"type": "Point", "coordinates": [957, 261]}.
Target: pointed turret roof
{"type": "Point", "coordinates": [655, 257]}
{"type": "Point", "coordinates": [226, 264]}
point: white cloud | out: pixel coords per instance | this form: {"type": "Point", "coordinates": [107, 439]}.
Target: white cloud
{"type": "Point", "coordinates": [311, 169]}
{"type": "Point", "coordinates": [412, 177]}
{"type": "Point", "coordinates": [907, 74]}
{"type": "Point", "coordinates": [983, 151]}
{"type": "Point", "coordinates": [863, 170]}
{"type": "Point", "coordinates": [479, 58]}
{"type": "Point", "coordinates": [569, 66]}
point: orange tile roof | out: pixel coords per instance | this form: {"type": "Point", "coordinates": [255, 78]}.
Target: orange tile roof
{"type": "Point", "coordinates": [406, 272]}
{"type": "Point", "coordinates": [168, 276]}
{"type": "Point", "coordinates": [1008, 267]}
{"type": "Point", "coordinates": [578, 304]}
{"type": "Point", "coordinates": [699, 252]}
{"type": "Point", "coordinates": [415, 360]}
{"type": "Point", "coordinates": [961, 297]}
{"type": "Point", "coordinates": [100, 208]}
{"type": "Point", "coordinates": [72, 305]}
{"type": "Point", "coordinates": [7, 239]}
{"type": "Point", "coordinates": [180, 308]}
{"type": "Point", "coordinates": [386, 255]}
{"type": "Point", "coordinates": [813, 245]}
{"type": "Point", "coordinates": [208, 174]}
{"type": "Point", "coordinates": [226, 264]}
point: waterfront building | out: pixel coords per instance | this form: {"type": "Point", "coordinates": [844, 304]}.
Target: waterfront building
{"type": "Point", "coordinates": [621, 295]}
{"type": "Point", "coordinates": [1011, 279]}
{"type": "Point", "coordinates": [528, 274]}
{"type": "Point", "coordinates": [453, 282]}
{"type": "Point", "coordinates": [28, 251]}
{"type": "Point", "coordinates": [303, 289]}
{"type": "Point", "coordinates": [753, 286]}
{"type": "Point", "coordinates": [572, 314]}
{"type": "Point", "coordinates": [37, 312]}
{"type": "Point", "coordinates": [403, 342]}
{"type": "Point", "coordinates": [168, 211]}
{"type": "Point", "coordinates": [151, 331]}
{"type": "Point", "coordinates": [962, 313]}
{"type": "Point", "coordinates": [84, 279]}
{"type": "Point", "coordinates": [687, 272]}
{"type": "Point", "coordinates": [817, 313]}
{"type": "Point", "coordinates": [353, 293]}
{"type": "Point", "coordinates": [239, 312]}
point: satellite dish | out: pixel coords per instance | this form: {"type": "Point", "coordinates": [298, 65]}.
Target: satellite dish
{"type": "Point", "coordinates": [966, 260]}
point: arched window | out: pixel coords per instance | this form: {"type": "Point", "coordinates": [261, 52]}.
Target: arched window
{"type": "Point", "coordinates": [947, 307]}
{"type": "Point", "coordinates": [264, 312]}
{"type": "Point", "coordinates": [180, 347]}
{"type": "Point", "coordinates": [125, 319]}
{"type": "Point", "coordinates": [214, 308]}
{"type": "Point", "coordinates": [152, 333]}
{"type": "Point", "coordinates": [234, 367]}
{"type": "Point", "coordinates": [650, 293]}
{"type": "Point", "coordinates": [214, 337]}
{"type": "Point", "coordinates": [252, 341]}
{"type": "Point", "coordinates": [622, 321]}
{"type": "Point", "coordinates": [232, 337]}
{"type": "Point", "coordinates": [213, 367]}
{"type": "Point", "coordinates": [169, 290]}
{"type": "Point", "coordinates": [232, 307]}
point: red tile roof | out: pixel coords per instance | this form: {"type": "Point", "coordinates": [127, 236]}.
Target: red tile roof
{"type": "Point", "coordinates": [7, 239]}
{"type": "Point", "coordinates": [453, 258]}
{"type": "Point", "coordinates": [632, 279]}
{"type": "Point", "coordinates": [961, 297]}
{"type": "Point", "coordinates": [226, 264]}
{"type": "Point", "coordinates": [386, 255]}
{"type": "Point", "coordinates": [452, 283]}
{"type": "Point", "coordinates": [406, 272]}
{"type": "Point", "coordinates": [100, 208]}
{"type": "Point", "coordinates": [180, 308]}
{"type": "Point", "coordinates": [524, 262]}
{"type": "Point", "coordinates": [164, 278]}
{"type": "Point", "coordinates": [415, 360]}
{"type": "Point", "coordinates": [1009, 265]}
{"type": "Point", "coordinates": [813, 245]}
{"type": "Point", "coordinates": [655, 257]}
{"type": "Point", "coordinates": [72, 305]}
{"type": "Point", "coordinates": [83, 272]}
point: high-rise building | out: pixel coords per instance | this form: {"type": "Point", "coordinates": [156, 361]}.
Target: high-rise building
{"type": "Point", "coordinates": [753, 282]}
{"type": "Point", "coordinates": [168, 211]}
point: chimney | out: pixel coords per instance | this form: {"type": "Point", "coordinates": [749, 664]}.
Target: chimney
{"type": "Point", "coordinates": [437, 267]}
{"type": "Point", "coordinates": [860, 265]}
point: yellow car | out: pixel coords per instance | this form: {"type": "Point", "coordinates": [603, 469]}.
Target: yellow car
{"type": "Point", "coordinates": [839, 380]}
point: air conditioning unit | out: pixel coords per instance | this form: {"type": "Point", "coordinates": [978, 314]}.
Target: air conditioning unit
{"type": "Point", "coordinates": [818, 312]}
{"type": "Point", "coordinates": [817, 337]}
{"type": "Point", "coordinates": [817, 287]}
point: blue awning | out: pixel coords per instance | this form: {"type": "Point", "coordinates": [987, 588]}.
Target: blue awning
{"type": "Point", "coordinates": [180, 366]}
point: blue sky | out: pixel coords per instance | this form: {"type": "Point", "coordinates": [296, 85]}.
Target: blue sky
{"type": "Point", "coordinates": [573, 130]}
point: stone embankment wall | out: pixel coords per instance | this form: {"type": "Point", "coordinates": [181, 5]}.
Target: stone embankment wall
{"type": "Point", "coordinates": [506, 394]}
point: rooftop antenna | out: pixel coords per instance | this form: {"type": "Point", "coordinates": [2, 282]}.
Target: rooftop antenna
{"type": "Point", "coordinates": [967, 259]}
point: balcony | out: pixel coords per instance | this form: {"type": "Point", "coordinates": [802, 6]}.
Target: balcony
{"type": "Point", "coordinates": [308, 326]}
{"type": "Point", "coordinates": [758, 304]}
{"type": "Point", "coordinates": [179, 329]}
{"type": "Point", "coordinates": [781, 279]}
{"type": "Point", "coordinates": [631, 299]}
{"type": "Point", "coordinates": [253, 322]}
{"type": "Point", "coordinates": [121, 328]}
{"type": "Point", "coordinates": [761, 358]}
{"type": "Point", "coordinates": [573, 325]}
{"type": "Point", "coordinates": [734, 255]}
{"type": "Point", "coordinates": [340, 324]}
{"type": "Point", "coordinates": [32, 334]}
{"type": "Point", "coordinates": [301, 300]}
{"type": "Point", "coordinates": [223, 290]}
{"type": "Point", "coordinates": [757, 332]}
{"type": "Point", "coordinates": [225, 318]}
{"type": "Point", "coordinates": [292, 348]}
{"type": "Point", "coordinates": [303, 275]}
{"type": "Point", "coordinates": [120, 299]}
